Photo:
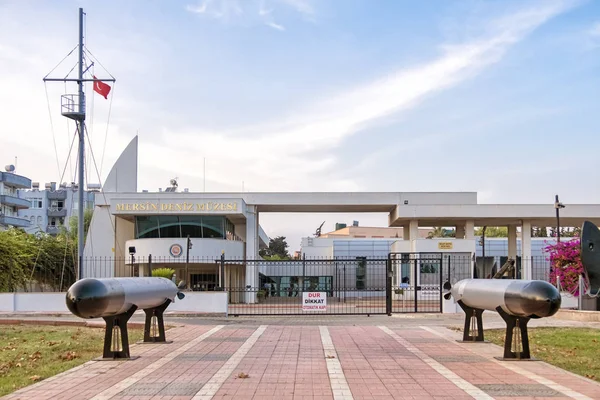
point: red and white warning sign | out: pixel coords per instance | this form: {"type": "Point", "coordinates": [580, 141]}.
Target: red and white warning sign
{"type": "Point", "coordinates": [314, 301]}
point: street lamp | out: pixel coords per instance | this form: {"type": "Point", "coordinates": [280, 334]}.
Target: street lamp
{"type": "Point", "coordinates": [187, 261]}
{"type": "Point", "coordinates": [132, 253]}
{"type": "Point", "coordinates": [558, 205]}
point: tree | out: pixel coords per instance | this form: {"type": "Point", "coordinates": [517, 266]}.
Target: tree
{"type": "Point", "coordinates": [537, 231]}
{"type": "Point", "coordinates": [492, 231]}
{"type": "Point", "coordinates": [73, 225]}
{"type": "Point", "coordinates": [570, 232]}
{"type": "Point", "coordinates": [35, 259]}
{"type": "Point", "coordinates": [438, 231]}
{"type": "Point", "coordinates": [277, 249]}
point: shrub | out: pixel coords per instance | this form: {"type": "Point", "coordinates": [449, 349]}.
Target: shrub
{"type": "Point", "coordinates": [163, 272]}
{"type": "Point", "coordinates": [565, 264]}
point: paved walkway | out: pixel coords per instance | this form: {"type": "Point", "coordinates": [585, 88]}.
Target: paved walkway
{"type": "Point", "coordinates": [339, 361]}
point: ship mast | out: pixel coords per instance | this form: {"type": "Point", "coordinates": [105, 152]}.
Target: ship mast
{"type": "Point", "coordinates": [73, 107]}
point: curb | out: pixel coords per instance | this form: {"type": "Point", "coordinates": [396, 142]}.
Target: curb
{"type": "Point", "coordinates": [49, 322]}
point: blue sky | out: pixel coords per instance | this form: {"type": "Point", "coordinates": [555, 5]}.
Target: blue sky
{"type": "Point", "coordinates": [498, 97]}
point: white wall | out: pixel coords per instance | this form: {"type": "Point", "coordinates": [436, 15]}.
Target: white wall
{"type": "Point", "coordinates": [199, 302]}
{"type": "Point", "coordinates": [206, 249]}
{"type": "Point", "coordinates": [433, 245]}
{"type": "Point", "coordinates": [100, 242]}
{"type": "Point", "coordinates": [317, 247]}
{"type": "Point", "coordinates": [401, 246]}
{"type": "Point", "coordinates": [33, 302]}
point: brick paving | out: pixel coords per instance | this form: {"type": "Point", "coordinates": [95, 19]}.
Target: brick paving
{"type": "Point", "coordinates": [338, 362]}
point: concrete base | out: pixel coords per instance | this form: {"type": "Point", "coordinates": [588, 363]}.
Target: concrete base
{"type": "Point", "coordinates": [115, 359]}
{"type": "Point", "coordinates": [517, 359]}
{"type": "Point", "coordinates": [472, 341]}
{"type": "Point", "coordinates": [578, 315]}
{"type": "Point", "coordinates": [142, 342]}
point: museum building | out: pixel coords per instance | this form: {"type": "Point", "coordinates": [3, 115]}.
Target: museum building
{"type": "Point", "coordinates": [190, 232]}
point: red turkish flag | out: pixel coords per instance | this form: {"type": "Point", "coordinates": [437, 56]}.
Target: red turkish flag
{"type": "Point", "coordinates": [101, 88]}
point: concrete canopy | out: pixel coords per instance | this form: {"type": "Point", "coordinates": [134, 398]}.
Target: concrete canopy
{"type": "Point", "coordinates": [494, 214]}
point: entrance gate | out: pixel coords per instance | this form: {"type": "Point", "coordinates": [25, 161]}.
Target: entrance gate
{"type": "Point", "coordinates": [399, 283]}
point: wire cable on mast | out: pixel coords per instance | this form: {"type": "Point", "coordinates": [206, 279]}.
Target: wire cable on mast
{"type": "Point", "coordinates": [60, 62]}
{"type": "Point", "coordinates": [96, 60]}
{"type": "Point", "coordinates": [103, 194]}
{"type": "Point", "coordinates": [107, 125]}
{"type": "Point", "coordinates": [52, 128]}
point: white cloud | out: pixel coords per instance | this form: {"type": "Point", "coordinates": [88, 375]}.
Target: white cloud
{"type": "Point", "coordinates": [276, 26]}
{"type": "Point", "coordinates": [302, 6]}
{"type": "Point", "coordinates": [287, 153]}
{"type": "Point", "coordinates": [261, 11]}
{"type": "Point", "coordinates": [595, 30]}
{"type": "Point", "coordinates": [283, 154]}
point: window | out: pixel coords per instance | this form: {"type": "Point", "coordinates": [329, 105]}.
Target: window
{"type": "Point", "coordinates": [56, 204]}
{"type": "Point", "coordinates": [169, 227]}
{"type": "Point", "coordinates": [361, 273]}
{"type": "Point", "coordinates": [146, 227]}
{"type": "Point", "coordinates": [36, 203]}
{"type": "Point", "coordinates": [174, 226]}
{"type": "Point", "coordinates": [430, 267]}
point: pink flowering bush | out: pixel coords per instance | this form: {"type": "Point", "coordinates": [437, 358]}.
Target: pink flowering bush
{"type": "Point", "coordinates": [565, 264]}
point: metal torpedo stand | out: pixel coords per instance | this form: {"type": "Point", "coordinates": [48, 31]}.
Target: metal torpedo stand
{"type": "Point", "coordinates": [115, 300]}
{"type": "Point", "coordinates": [516, 301]}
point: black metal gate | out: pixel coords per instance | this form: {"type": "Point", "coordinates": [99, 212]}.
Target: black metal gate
{"type": "Point", "coordinates": [310, 287]}
{"type": "Point", "coordinates": [416, 282]}
{"type": "Point", "coordinates": [400, 283]}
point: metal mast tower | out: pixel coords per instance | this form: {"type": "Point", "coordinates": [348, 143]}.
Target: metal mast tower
{"type": "Point", "coordinates": [73, 107]}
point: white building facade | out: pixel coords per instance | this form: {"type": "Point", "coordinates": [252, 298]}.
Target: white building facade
{"type": "Point", "coordinates": [52, 207]}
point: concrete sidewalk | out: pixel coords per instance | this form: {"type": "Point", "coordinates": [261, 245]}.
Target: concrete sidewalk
{"type": "Point", "coordinates": [491, 320]}
{"type": "Point", "coordinates": [389, 358]}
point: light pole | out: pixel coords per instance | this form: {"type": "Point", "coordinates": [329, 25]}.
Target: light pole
{"type": "Point", "coordinates": [558, 205]}
{"type": "Point", "coordinates": [132, 254]}
{"type": "Point", "coordinates": [187, 261]}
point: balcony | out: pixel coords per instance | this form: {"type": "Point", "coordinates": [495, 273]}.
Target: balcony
{"type": "Point", "coordinates": [14, 221]}
{"type": "Point", "coordinates": [57, 212]}
{"type": "Point", "coordinates": [15, 181]}
{"type": "Point", "coordinates": [57, 195]}
{"type": "Point", "coordinates": [13, 201]}
{"type": "Point", "coordinates": [53, 229]}
{"type": "Point", "coordinates": [69, 107]}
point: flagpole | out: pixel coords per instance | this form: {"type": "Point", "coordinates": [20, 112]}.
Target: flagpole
{"type": "Point", "coordinates": [81, 123]}
{"type": "Point", "coordinates": [75, 109]}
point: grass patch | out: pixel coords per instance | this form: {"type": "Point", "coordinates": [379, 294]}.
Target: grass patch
{"type": "Point", "coordinates": [29, 353]}
{"type": "Point", "coordinates": [574, 349]}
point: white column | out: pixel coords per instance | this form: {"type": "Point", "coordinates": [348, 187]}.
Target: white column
{"type": "Point", "coordinates": [470, 235]}
{"type": "Point", "coordinates": [526, 261]}
{"type": "Point", "coordinates": [460, 230]}
{"type": "Point", "coordinates": [251, 253]}
{"type": "Point", "coordinates": [406, 232]}
{"type": "Point", "coordinates": [413, 229]}
{"type": "Point", "coordinates": [512, 242]}
{"type": "Point", "coordinates": [470, 229]}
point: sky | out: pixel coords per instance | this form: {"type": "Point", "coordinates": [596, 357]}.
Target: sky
{"type": "Point", "coordinates": [494, 97]}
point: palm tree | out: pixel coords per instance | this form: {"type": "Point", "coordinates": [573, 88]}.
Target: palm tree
{"type": "Point", "coordinates": [438, 231]}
